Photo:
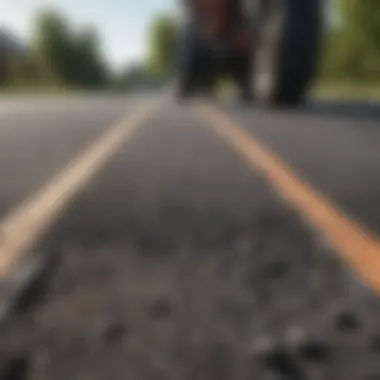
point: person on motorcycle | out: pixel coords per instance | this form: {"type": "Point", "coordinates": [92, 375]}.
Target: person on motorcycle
{"type": "Point", "coordinates": [218, 40]}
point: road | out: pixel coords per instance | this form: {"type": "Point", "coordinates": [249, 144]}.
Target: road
{"type": "Point", "coordinates": [188, 241]}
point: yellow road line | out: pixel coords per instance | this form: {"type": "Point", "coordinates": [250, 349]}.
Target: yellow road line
{"type": "Point", "coordinates": [20, 230]}
{"type": "Point", "coordinates": [354, 244]}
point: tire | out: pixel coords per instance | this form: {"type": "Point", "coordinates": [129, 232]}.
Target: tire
{"type": "Point", "coordinates": [285, 61]}
{"type": "Point", "coordinates": [194, 65]}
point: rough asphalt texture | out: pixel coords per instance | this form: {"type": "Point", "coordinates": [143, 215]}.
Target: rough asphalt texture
{"type": "Point", "coordinates": [178, 262]}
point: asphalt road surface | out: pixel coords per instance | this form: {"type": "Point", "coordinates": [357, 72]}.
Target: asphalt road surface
{"type": "Point", "coordinates": [168, 245]}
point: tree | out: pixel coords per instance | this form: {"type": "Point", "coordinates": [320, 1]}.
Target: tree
{"type": "Point", "coordinates": [353, 48]}
{"type": "Point", "coordinates": [53, 44]}
{"type": "Point", "coordinates": [162, 38]}
{"type": "Point", "coordinates": [72, 58]}
{"type": "Point", "coordinates": [88, 64]}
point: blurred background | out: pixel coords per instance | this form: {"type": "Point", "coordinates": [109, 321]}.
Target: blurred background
{"type": "Point", "coordinates": [123, 46]}
{"type": "Point", "coordinates": [173, 260]}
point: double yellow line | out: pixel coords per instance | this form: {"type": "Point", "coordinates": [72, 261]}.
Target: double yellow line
{"type": "Point", "coordinates": [27, 224]}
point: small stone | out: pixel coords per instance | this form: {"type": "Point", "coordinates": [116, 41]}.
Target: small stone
{"type": "Point", "coordinates": [347, 321]}
{"type": "Point", "coordinates": [17, 369]}
{"type": "Point", "coordinates": [315, 351]}
{"type": "Point", "coordinates": [294, 335]}
{"type": "Point", "coordinates": [276, 270]}
{"type": "Point", "coordinates": [281, 363]}
{"type": "Point", "coordinates": [114, 333]}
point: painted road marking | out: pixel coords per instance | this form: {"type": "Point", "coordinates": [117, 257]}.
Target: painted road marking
{"type": "Point", "coordinates": [20, 230]}
{"type": "Point", "coordinates": [354, 244]}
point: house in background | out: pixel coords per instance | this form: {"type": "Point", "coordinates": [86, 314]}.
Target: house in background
{"type": "Point", "coordinates": [12, 49]}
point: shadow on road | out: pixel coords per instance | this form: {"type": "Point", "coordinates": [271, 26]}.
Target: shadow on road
{"type": "Point", "coordinates": [346, 108]}
{"type": "Point", "coordinates": [353, 109]}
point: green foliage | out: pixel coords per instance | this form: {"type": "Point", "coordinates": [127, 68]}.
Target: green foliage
{"type": "Point", "coordinates": [71, 59]}
{"type": "Point", "coordinates": [89, 69]}
{"type": "Point", "coordinates": [162, 37]}
{"type": "Point", "coordinates": [53, 43]}
{"type": "Point", "coordinates": [352, 48]}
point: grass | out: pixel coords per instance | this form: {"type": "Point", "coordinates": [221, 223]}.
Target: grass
{"type": "Point", "coordinates": [226, 89]}
{"type": "Point", "coordinates": [347, 91]}
{"type": "Point", "coordinates": [32, 90]}
{"type": "Point", "coordinates": [14, 91]}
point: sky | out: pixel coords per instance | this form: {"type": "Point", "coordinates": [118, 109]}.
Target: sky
{"type": "Point", "coordinates": [122, 23]}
